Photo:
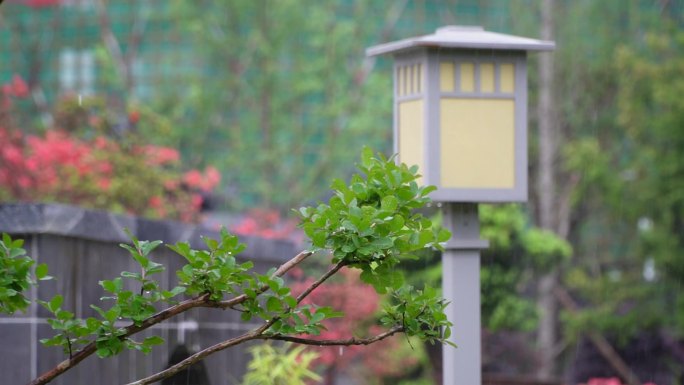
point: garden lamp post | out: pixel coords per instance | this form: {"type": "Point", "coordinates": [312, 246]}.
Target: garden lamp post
{"type": "Point", "coordinates": [460, 114]}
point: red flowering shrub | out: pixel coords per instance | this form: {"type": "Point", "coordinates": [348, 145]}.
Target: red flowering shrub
{"type": "Point", "coordinates": [360, 303]}
{"type": "Point", "coordinates": [267, 224]}
{"type": "Point", "coordinates": [100, 172]}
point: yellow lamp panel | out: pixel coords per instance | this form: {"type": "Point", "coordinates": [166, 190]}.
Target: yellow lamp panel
{"type": "Point", "coordinates": [507, 78]}
{"type": "Point", "coordinates": [419, 78]}
{"type": "Point", "coordinates": [477, 143]}
{"type": "Point", "coordinates": [446, 77]}
{"type": "Point", "coordinates": [487, 77]}
{"type": "Point", "coordinates": [411, 137]}
{"type": "Point", "coordinates": [467, 77]}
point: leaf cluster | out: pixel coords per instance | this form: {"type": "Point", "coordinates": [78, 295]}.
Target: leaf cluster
{"type": "Point", "coordinates": [15, 275]}
{"type": "Point", "coordinates": [370, 224]}
{"type": "Point", "coordinates": [420, 313]}
{"type": "Point", "coordinates": [128, 305]}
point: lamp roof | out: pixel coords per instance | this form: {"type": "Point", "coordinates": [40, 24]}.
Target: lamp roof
{"type": "Point", "coordinates": [473, 37]}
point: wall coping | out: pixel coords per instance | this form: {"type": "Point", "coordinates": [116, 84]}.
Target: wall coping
{"type": "Point", "coordinates": [98, 225]}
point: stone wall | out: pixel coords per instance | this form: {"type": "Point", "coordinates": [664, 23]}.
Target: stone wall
{"type": "Point", "coordinates": [81, 248]}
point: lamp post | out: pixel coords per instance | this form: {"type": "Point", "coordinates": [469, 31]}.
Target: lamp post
{"type": "Point", "coordinates": [460, 114]}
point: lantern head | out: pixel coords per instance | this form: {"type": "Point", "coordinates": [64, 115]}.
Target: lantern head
{"type": "Point", "coordinates": [460, 111]}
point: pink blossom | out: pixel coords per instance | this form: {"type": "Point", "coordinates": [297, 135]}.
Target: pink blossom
{"type": "Point", "coordinates": [192, 178]}
{"type": "Point", "coordinates": [19, 87]}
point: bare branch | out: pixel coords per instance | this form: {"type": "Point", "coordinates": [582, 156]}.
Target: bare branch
{"type": "Point", "coordinates": [201, 355]}
{"type": "Point", "coordinates": [285, 267]}
{"type": "Point", "coordinates": [320, 280]}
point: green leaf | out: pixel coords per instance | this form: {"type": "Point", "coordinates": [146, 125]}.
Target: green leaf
{"type": "Point", "coordinates": [290, 301]}
{"type": "Point", "coordinates": [383, 243]}
{"type": "Point", "coordinates": [104, 352]}
{"type": "Point", "coordinates": [114, 286]}
{"type": "Point", "coordinates": [443, 235]}
{"type": "Point", "coordinates": [64, 315]}
{"type": "Point", "coordinates": [41, 271]}
{"type": "Point", "coordinates": [154, 267]}
{"type": "Point", "coordinates": [128, 274]}
{"type": "Point", "coordinates": [153, 340]}
{"type": "Point", "coordinates": [112, 314]}
{"type": "Point", "coordinates": [318, 316]}
{"type": "Point", "coordinates": [427, 190]}
{"type": "Point", "coordinates": [55, 303]}
{"type": "Point", "coordinates": [274, 305]}
{"type": "Point", "coordinates": [389, 203]}
{"type": "Point", "coordinates": [212, 244]}
{"type": "Point", "coordinates": [147, 247]}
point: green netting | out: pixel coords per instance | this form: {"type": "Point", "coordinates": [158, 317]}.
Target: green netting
{"type": "Point", "coordinates": [31, 36]}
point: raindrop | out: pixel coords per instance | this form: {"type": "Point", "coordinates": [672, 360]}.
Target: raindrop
{"type": "Point", "coordinates": [80, 100]}
{"type": "Point", "coordinates": [649, 270]}
{"type": "Point", "coordinates": [341, 350]}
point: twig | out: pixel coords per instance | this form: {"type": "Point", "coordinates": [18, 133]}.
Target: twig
{"type": "Point", "coordinates": [259, 332]}
{"type": "Point", "coordinates": [200, 355]}
{"type": "Point", "coordinates": [322, 279]}
{"type": "Point", "coordinates": [200, 301]}
{"type": "Point", "coordinates": [346, 342]}
{"type": "Point", "coordinates": [284, 268]}
{"type": "Point", "coordinates": [90, 348]}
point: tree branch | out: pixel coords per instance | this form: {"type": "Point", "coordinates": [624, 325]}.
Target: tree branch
{"type": "Point", "coordinates": [259, 332]}
{"type": "Point", "coordinates": [90, 348]}
{"type": "Point", "coordinates": [287, 266]}
{"type": "Point", "coordinates": [200, 301]}
{"type": "Point", "coordinates": [347, 342]}
{"type": "Point", "coordinates": [320, 280]}
{"type": "Point", "coordinates": [201, 355]}
{"type": "Point", "coordinates": [284, 268]}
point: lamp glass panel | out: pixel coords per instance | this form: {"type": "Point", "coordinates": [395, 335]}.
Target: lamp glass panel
{"type": "Point", "coordinates": [411, 134]}
{"type": "Point", "coordinates": [487, 77]}
{"type": "Point", "coordinates": [507, 78]}
{"type": "Point", "coordinates": [477, 143]}
{"type": "Point", "coordinates": [446, 77]}
{"type": "Point", "coordinates": [467, 77]}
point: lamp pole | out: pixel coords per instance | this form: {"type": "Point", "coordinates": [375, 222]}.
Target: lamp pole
{"type": "Point", "coordinates": [461, 288]}
{"type": "Point", "coordinates": [460, 115]}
